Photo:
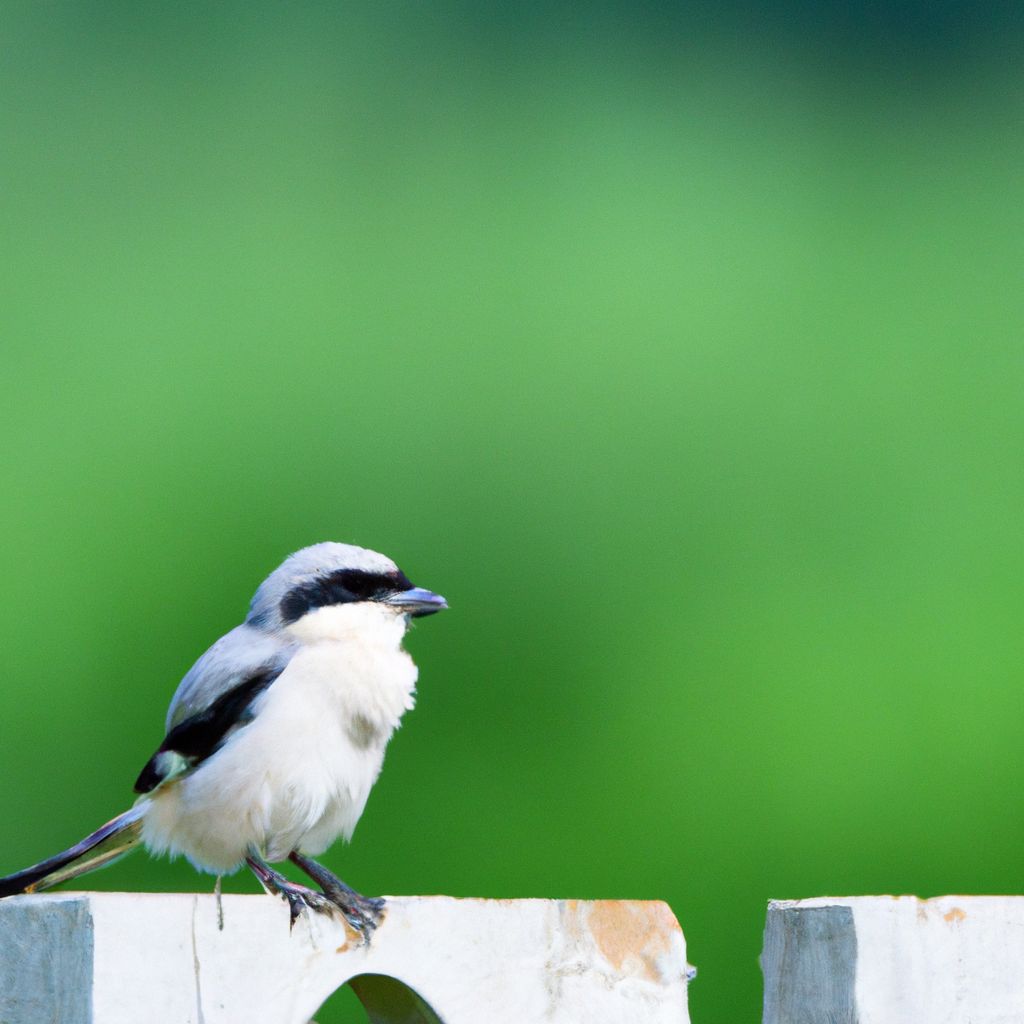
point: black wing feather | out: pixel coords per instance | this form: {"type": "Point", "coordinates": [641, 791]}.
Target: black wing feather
{"type": "Point", "coordinates": [202, 734]}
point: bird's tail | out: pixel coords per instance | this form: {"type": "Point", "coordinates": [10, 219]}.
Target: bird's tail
{"type": "Point", "coordinates": [119, 836]}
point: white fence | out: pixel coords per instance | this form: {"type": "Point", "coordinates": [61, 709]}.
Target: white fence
{"type": "Point", "coordinates": [118, 958]}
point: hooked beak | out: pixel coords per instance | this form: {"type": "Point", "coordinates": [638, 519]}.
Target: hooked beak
{"type": "Point", "coordinates": [416, 602]}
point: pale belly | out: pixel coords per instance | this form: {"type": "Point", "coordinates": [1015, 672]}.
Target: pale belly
{"type": "Point", "coordinates": [298, 776]}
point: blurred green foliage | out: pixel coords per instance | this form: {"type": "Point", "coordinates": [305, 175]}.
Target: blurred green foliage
{"type": "Point", "coordinates": [680, 348]}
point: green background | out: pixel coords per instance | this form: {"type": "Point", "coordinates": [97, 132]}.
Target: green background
{"type": "Point", "coordinates": [679, 347]}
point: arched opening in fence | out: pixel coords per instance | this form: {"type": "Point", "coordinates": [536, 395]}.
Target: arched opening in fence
{"type": "Point", "coordinates": [376, 999]}
{"type": "Point", "coordinates": [390, 1001]}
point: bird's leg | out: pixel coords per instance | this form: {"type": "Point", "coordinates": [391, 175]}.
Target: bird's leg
{"type": "Point", "coordinates": [362, 912]}
{"type": "Point", "coordinates": [297, 896]}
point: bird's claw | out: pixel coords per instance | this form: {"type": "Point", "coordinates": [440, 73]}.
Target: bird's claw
{"type": "Point", "coordinates": [363, 913]}
{"type": "Point", "coordinates": [300, 898]}
{"type": "Point", "coordinates": [374, 905]}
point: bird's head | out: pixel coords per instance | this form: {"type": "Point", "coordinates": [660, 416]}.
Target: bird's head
{"type": "Point", "coordinates": [357, 586]}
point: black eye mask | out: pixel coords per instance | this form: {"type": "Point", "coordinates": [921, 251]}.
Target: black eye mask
{"type": "Point", "coordinates": [342, 587]}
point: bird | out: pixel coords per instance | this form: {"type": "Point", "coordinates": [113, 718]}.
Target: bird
{"type": "Point", "coordinates": [276, 735]}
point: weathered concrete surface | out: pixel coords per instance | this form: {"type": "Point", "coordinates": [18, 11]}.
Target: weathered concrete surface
{"type": "Point", "coordinates": [809, 964]}
{"type": "Point", "coordinates": [895, 960]}
{"type": "Point", "coordinates": [121, 958]}
{"type": "Point", "coordinates": [46, 958]}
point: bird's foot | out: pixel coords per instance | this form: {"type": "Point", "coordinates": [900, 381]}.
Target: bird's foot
{"type": "Point", "coordinates": [298, 897]}
{"type": "Point", "coordinates": [363, 913]}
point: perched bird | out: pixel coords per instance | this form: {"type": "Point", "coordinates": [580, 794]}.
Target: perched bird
{"type": "Point", "coordinates": [276, 734]}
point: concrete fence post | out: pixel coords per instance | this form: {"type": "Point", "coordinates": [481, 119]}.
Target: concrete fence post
{"type": "Point", "coordinates": [120, 958]}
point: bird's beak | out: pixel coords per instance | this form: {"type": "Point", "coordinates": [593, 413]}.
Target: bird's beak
{"type": "Point", "coordinates": [416, 602]}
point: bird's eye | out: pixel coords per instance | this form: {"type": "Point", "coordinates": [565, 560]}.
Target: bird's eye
{"type": "Point", "coordinates": [372, 586]}
{"type": "Point", "coordinates": [361, 585]}
{"type": "Point", "coordinates": [397, 580]}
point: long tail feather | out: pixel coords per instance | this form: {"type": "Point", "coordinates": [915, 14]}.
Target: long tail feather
{"type": "Point", "coordinates": [118, 837]}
